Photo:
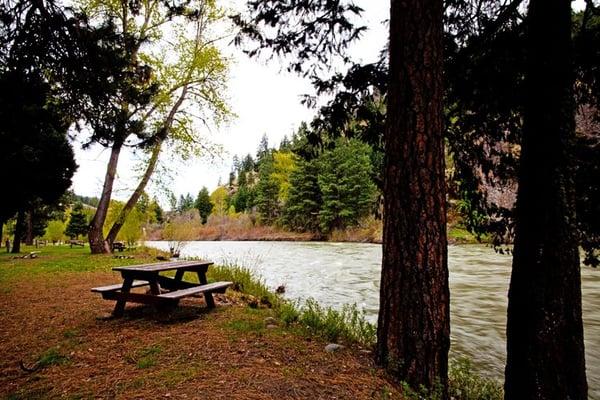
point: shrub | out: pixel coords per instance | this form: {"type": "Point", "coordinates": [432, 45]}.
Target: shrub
{"type": "Point", "coordinates": [349, 324]}
{"type": "Point", "coordinates": [464, 384]}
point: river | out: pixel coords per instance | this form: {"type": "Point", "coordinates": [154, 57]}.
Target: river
{"type": "Point", "coordinates": [335, 274]}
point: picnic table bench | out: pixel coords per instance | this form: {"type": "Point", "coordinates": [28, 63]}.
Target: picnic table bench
{"type": "Point", "coordinates": [120, 246]}
{"type": "Point", "coordinates": [163, 290]}
{"type": "Point", "coordinates": [74, 242]}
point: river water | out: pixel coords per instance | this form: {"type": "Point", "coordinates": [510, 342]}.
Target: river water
{"type": "Point", "coordinates": [335, 274]}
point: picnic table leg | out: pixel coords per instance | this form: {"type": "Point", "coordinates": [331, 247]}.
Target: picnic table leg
{"type": "Point", "coordinates": [120, 306]}
{"type": "Point", "coordinates": [154, 286]}
{"type": "Point", "coordinates": [208, 297]}
{"type": "Point", "coordinates": [179, 275]}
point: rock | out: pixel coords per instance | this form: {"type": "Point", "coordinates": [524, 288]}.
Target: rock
{"type": "Point", "coordinates": [280, 289]}
{"type": "Point", "coordinates": [270, 321]}
{"type": "Point", "coordinates": [271, 326]}
{"type": "Point", "coordinates": [333, 347]}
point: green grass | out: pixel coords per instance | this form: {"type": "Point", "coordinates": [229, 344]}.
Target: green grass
{"type": "Point", "coordinates": [63, 259]}
{"type": "Point", "coordinates": [146, 357]}
{"type": "Point", "coordinates": [465, 384]}
{"type": "Point", "coordinates": [348, 324]}
{"type": "Point", "coordinates": [461, 235]}
{"type": "Point", "coordinates": [52, 356]}
{"type": "Point", "coordinates": [243, 281]}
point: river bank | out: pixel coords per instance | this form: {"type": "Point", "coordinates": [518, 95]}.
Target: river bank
{"type": "Point", "coordinates": [244, 228]}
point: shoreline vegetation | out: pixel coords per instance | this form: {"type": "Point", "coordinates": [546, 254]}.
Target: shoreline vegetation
{"type": "Point", "coordinates": [242, 227]}
{"type": "Point", "coordinates": [252, 331]}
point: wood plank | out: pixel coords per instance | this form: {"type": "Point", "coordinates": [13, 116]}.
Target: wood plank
{"type": "Point", "coordinates": [137, 298]}
{"type": "Point", "coordinates": [118, 286]}
{"type": "Point", "coordinates": [172, 284]}
{"type": "Point", "coordinates": [165, 266]}
{"type": "Point", "coordinates": [209, 288]}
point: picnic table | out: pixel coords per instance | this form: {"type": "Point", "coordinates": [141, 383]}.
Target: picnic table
{"type": "Point", "coordinates": [163, 291]}
{"type": "Point", "coordinates": [120, 246]}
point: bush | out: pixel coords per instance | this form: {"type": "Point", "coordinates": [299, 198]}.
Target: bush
{"type": "Point", "coordinates": [464, 384]}
{"type": "Point", "coordinates": [349, 324]}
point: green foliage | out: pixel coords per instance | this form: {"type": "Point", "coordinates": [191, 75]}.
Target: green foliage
{"type": "Point", "coordinates": [288, 312]}
{"type": "Point", "coordinates": [304, 200]}
{"type": "Point", "coordinates": [464, 384]}
{"type": "Point", "coordinates": [78, 223]}
{"type": "Point", "coordinates": [346, 185]}
{"type": "Point", "coordinates": [244, 281]}
{"type": "Point", "coordinates": [267, 192]}
{"type": "Point", "coordinates": [185, 203]}
{"type": "Point", "coordinates": [244, 198]}
{"type": "Point", "coordinates": [131, 231]}
{"type": "Point", "coordinates": [52, 356]}
{"type": "Point", "coordinates": [36, 156]}
{"type": "Point", "coordinates": [55, 231]}
{"type": "Point", "coordinates": [147, 357]}
{"type": "Point", "coordinates": [283, 165]}
{"type": "Point", "coordinates": [203, 204]}
{"type": "Point", "coordinates": [220, 199]}
{"type": "Point", "coordinates": [158, 212]}
{"type": "Point", "coordinates": [348, 324]}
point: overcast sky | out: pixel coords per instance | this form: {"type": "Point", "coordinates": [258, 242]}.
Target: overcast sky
{"type": "Point", "coordinates": [266, 100]}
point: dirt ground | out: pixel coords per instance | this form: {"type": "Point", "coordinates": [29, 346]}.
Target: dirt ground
{"type": "Point", "coordinates": [62, 331]}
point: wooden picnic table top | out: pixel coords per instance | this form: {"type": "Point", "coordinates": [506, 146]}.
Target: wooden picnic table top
{"type": "Point", "coordinates": [164, 266]}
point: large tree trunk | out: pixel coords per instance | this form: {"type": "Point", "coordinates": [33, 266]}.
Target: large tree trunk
{"type": "Point", "coordinates": [19, 227]}
{"type": "Point", "coordinates": [545, 349]}
{"type": "Point", "coordinates": [29, 230]}
{"type": "Point", "coordinates": [413, 333]}
{"type": "Point", "coordinates": [96, 235]}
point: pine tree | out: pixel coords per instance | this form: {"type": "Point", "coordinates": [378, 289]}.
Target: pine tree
{"type": "Point", "coordinates": [346, 185]}
{"type": "Point", "coordinates": [301, 212]}
{"type": "Point", "coordinates": [78, 224]}
{"type": "Point", "coordinates": [203, 204]}
{"type": "Point", "coordinates": [267, 193]}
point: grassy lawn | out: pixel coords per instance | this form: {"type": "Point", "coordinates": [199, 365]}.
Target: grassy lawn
{"type": "Point", "coordinates": [53, 326]}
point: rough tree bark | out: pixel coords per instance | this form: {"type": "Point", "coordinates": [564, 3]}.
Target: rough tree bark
{"type": "Point", "coordinates": [545, 349]}
{"type": "Point", "coordinates": [29, 231]}
{"type": "Point", "coordinates": [413, 334]}
{"type": "Point", "coordinates": [19, 227]}
{"type": "Point", "coordinates": [96, 235]}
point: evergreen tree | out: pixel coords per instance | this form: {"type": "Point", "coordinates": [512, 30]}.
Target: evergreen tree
{"type": "Point", "coordinates": [157, 210]}
{"type": "Point", "coordinates": [267, 193]}
{"type": "Point", "coordinates": [301, 212]}
{"type": "Point", "coordinates": [78, 224]}
{"type": "Point", "coordinates": [263, 148]}
{"type": "Point", "coordinates": [185, 203]}
{"type": "Point", "coordinates": [347, 189]}
{"type": "Point", "coordinates": [203, 204]}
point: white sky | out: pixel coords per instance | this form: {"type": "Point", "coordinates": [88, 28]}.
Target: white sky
{"type": "Point", "coordinates": [266, 100]}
